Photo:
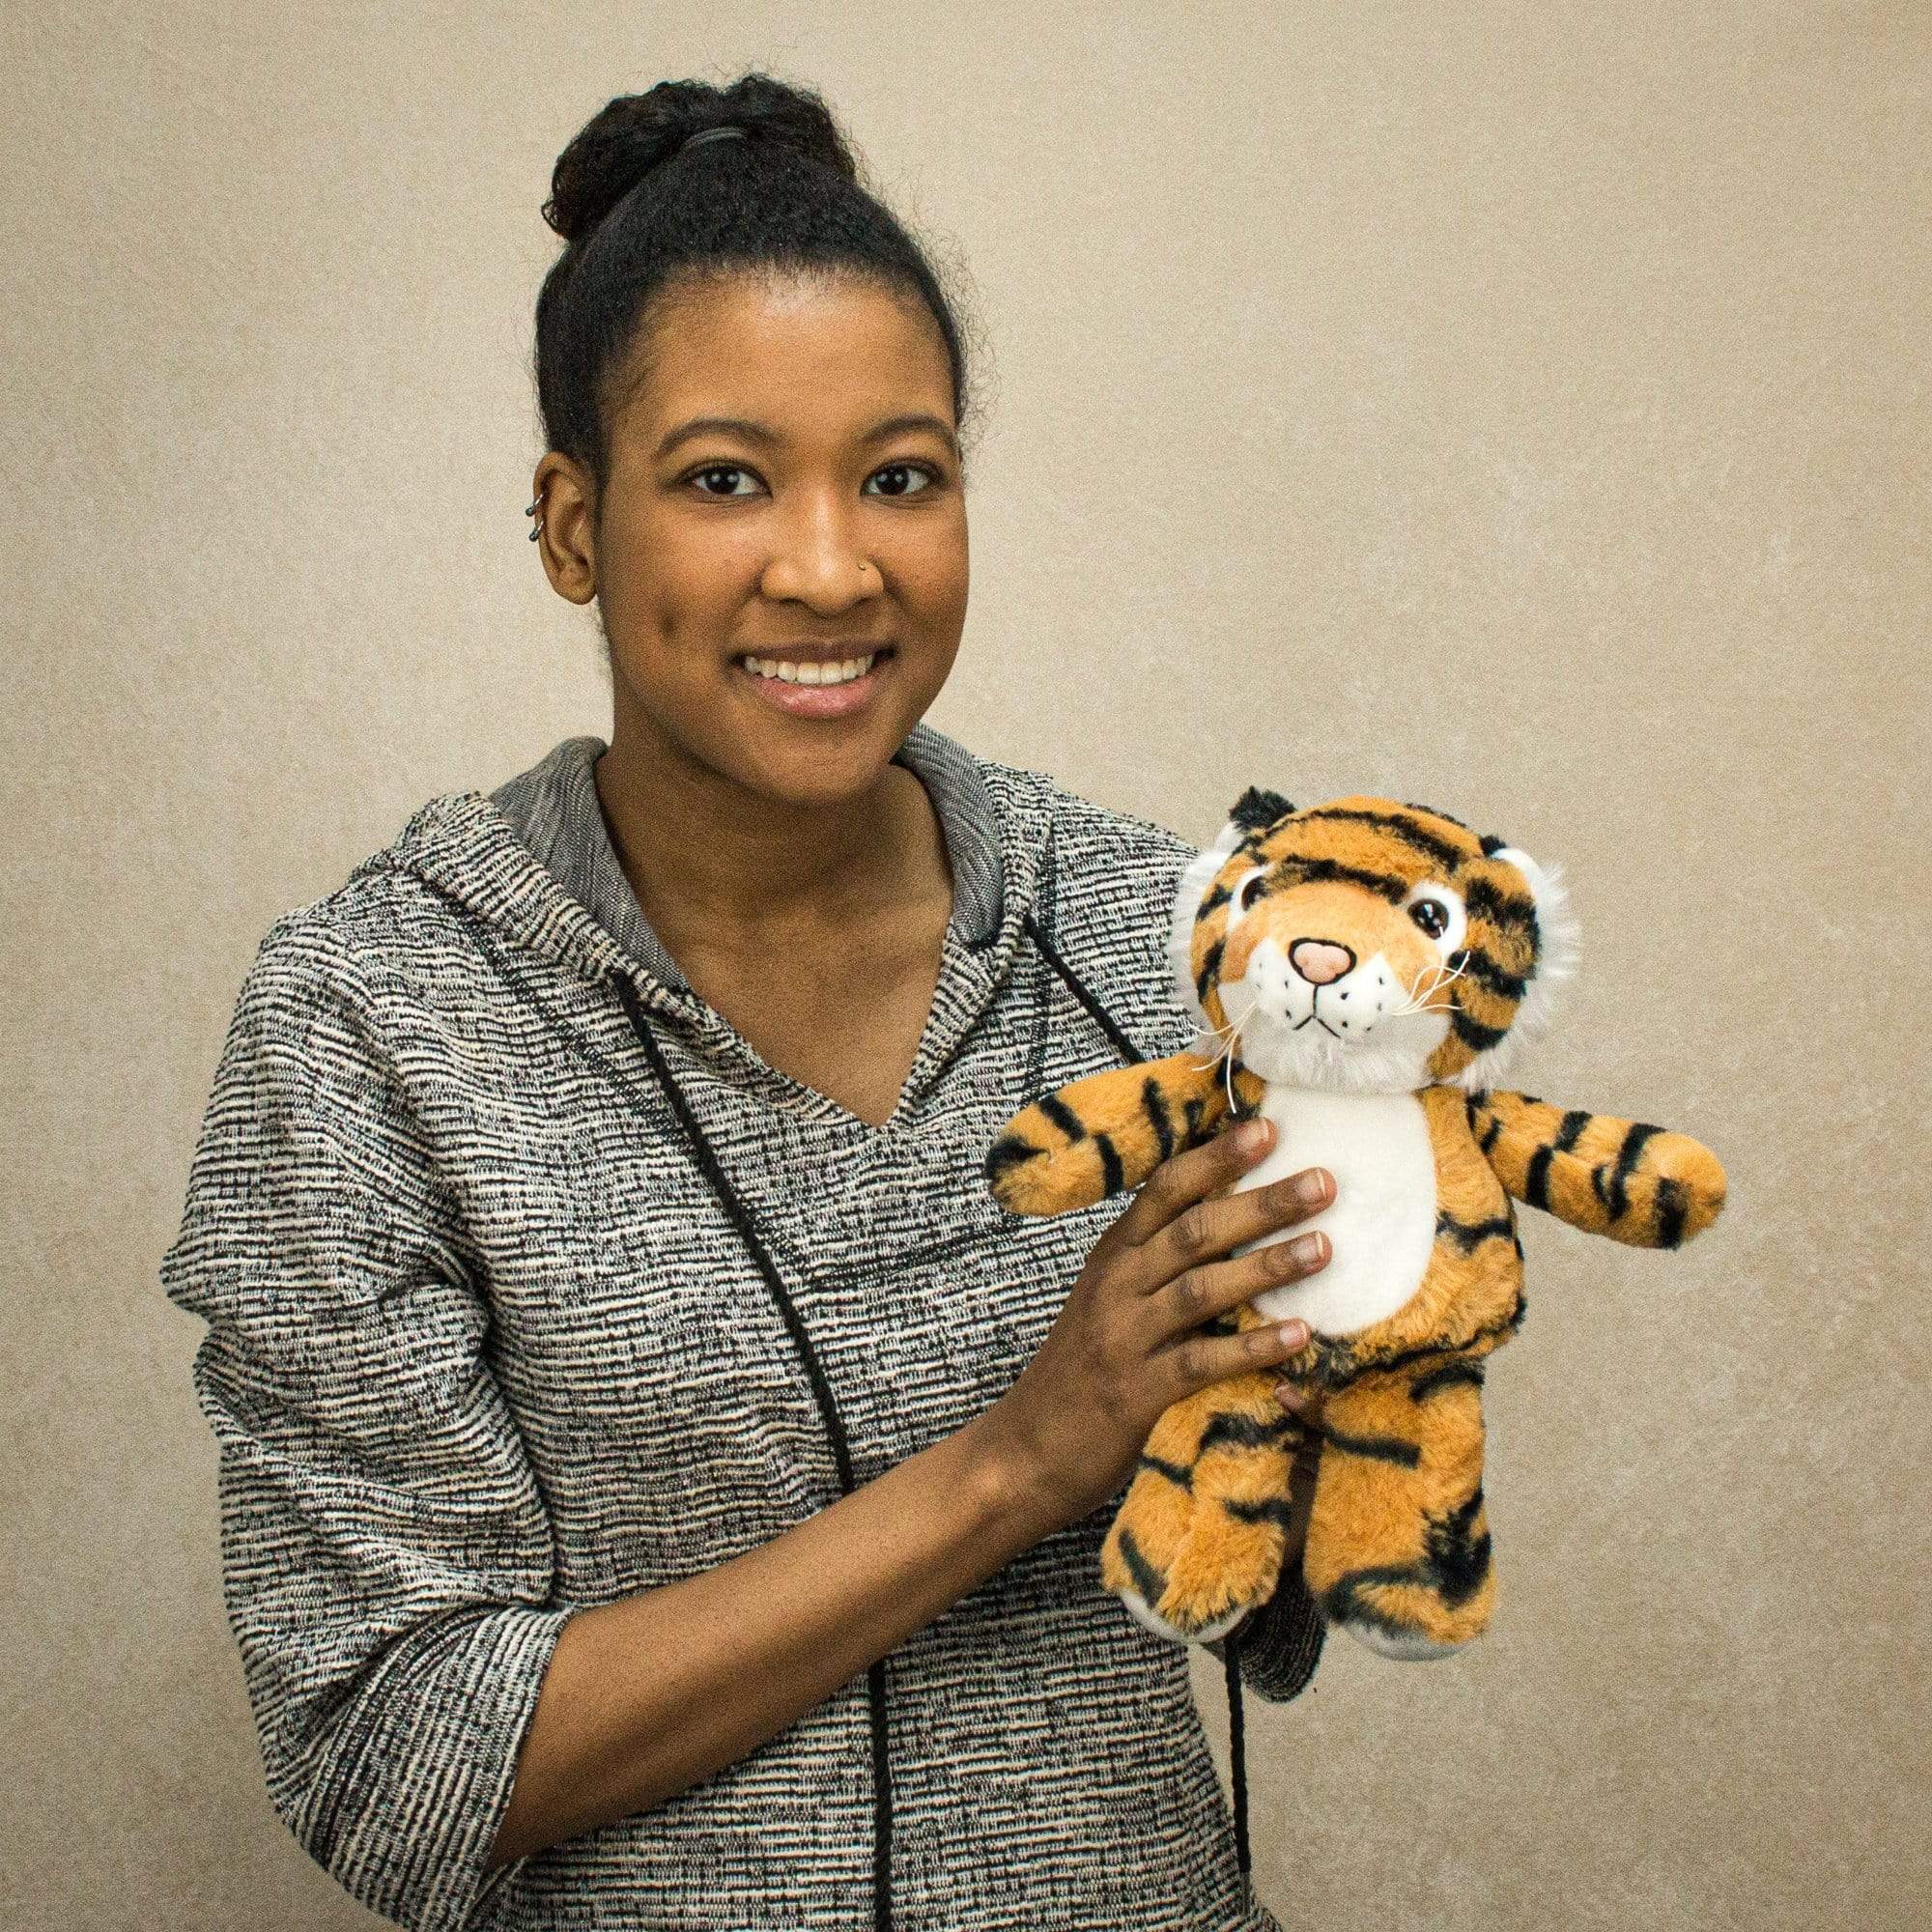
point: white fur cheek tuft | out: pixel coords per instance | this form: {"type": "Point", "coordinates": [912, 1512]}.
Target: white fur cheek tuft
{"type": "Point", "coordinates": [1559, 947]}
{"type": "Point", "coordinates": [1195, 880]}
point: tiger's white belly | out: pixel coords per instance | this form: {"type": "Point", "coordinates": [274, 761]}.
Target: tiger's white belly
{"type": "Point", "coordinates": [1381, 1223]}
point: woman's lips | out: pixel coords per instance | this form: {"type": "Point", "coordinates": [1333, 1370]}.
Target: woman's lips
{"type": "Point", "coordinates": [817, 700]}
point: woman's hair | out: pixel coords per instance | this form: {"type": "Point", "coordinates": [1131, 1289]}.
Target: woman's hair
{"type": "Point", "coordinates": [637, 217]}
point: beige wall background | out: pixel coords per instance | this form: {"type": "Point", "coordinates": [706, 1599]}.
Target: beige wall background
{"type": "Point", "coordinates": [1522, 409]}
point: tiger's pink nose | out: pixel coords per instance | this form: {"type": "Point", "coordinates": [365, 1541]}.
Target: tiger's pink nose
{"type": "Point", "coordinates": [1320, 961]}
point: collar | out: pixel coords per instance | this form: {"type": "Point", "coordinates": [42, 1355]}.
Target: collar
{"type": "Point", "coordinates": [555, 810]}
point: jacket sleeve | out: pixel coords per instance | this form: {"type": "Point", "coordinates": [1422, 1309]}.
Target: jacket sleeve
{"type": "Point", "coordinates": [386, 1555]}
{"type": "Point", "coordinates": [1278, 1645]}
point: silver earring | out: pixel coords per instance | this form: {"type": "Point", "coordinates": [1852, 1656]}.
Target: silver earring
{"type": "Point", "coordinates": [536, 528]}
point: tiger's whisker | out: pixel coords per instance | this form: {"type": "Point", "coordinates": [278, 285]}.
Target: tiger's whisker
{"type": "Point", "coordinates": [1227, 1058]}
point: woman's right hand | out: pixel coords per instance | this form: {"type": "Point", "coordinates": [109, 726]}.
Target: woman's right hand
{"type": "Point", "coordinates": [1123, 1349]}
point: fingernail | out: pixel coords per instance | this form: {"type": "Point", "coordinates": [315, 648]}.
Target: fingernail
{"type": "Point", "coordinates": [1252, 1136]}
{"type": "Point", "coordinates": [1306, 1249]}
{"type": "Point", "coordinates": [1293, 1333]}
{"type": "Point", "coordinates": [1312, 1186]}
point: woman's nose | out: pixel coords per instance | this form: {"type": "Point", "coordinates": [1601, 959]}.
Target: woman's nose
{"type": "Point", "coordinates": [819, 562]}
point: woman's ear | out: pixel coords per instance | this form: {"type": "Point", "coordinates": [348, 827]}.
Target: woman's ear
{"type": "Point", "coordinates": [566, 502]}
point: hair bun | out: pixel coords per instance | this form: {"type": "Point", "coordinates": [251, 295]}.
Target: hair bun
{"type": "Point", "coordinates": [636, 133]}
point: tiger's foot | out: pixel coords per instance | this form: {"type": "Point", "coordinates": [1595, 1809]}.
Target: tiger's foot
{"type": "Point", "coordinates": [1199, 1539]}
{"type": "Point", "coordinates": [1398, 1551]}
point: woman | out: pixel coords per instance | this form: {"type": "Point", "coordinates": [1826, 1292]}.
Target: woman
{"type": "Point", "coordinates": [654, 1473]}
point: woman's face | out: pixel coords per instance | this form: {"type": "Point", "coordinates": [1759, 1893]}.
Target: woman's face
{"type": "Point", "coordinates": [785, 491]}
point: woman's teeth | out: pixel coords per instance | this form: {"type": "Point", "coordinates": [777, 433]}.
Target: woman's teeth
{"type": "Point", "coordinates": [840, 671]}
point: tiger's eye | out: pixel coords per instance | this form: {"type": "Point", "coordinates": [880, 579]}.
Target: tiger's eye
{"type": "Point", "coordinates": [1431, 916]}
{"type": "Point", "coordinates": [1251, 889]}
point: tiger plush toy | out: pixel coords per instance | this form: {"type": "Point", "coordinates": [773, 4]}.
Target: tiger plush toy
{"type": "Point", "coordinates": [1361, 972]}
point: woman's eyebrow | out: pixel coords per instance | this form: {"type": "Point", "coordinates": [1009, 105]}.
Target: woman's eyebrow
{"type": "Point", "coordinates": [750, 432]}
{"type": "Point", "coordinates": [901, 425]}
{"type": "Point", "coordinates": [766, 437]}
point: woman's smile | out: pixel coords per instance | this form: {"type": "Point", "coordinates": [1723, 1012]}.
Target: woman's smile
{"type": "Point", "coordinates": [817, 683]}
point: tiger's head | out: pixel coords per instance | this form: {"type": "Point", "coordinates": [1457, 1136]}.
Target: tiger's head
{"type": "Point", "coordinates": [1367, 947]}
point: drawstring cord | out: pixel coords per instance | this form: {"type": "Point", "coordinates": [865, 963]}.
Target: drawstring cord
{"type": "Point", "coordinates": [740, 1218]}
{"type": "Point", "coordinates": [827, 1410]}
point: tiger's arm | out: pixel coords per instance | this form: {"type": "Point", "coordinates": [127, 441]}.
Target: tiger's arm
{"type": "Point", "coordinates": [1104, 1134]}
{"type": "Point", "coordinates": [1625, 1179]}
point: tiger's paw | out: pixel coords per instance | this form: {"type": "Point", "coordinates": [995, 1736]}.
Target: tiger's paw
{"type": "Point", "coordinates": [1151, 1620]}
{"type": "Point", "coordinates": [1410, 1648]}
{"type": "Point", "coordinates": [1414, 1633]}
{"type": "Point", "coordinates": [1190, 1567]}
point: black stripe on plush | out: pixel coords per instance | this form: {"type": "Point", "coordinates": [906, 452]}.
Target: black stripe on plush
{"type": "Point", "coordinates": [1343, 1601]}
{"type": "Point", "coordinates": [1459, 1558]}
{"type": "Point", "coordinates": [1243, 1431]}
{"type": "Point", "coordinates": [1007, 1152]}
{"type": "Point", "coordinates": [1064, 1118]}
{"type": "Point", "coordinates": [1486, 902]}
{"type": "Point", "coordinates": [1377, 1448]}
{"type": "Point", "coordinates": [1270, 1509]}
{"type": "Point", "coordinates": [1113, 1176]}
{"type": "Point", "coordinates": [1468, 1234]}
{"type": "Point", "coordinates": [1460, 1373]}
{"type": "Point", "coordinates": [1325, 871]}
{"type": "Point", "coordinates": [1153, 1104]}
{"type": "Point", "coordinates": [1148, 1581]}
{"type": "Point", "coordinates": [1210, 964]}
{"type": "Point", "coordinates": [1639, 1132]}
{"type": "Point", "coordinates": [1173, 1471]}
{"type": "Point", "coordinates": [1405, 828]}
{"type": "Point", "coordinates": [1671, 1208]}
{"type": "Point", "coordinates": [1485, 972]}
{"type": "Point", "coordinates": [1473, 1032]}
{"type": "Point", "coordinates": [1536, 1183]}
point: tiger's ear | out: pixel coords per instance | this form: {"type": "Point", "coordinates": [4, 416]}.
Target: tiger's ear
{"type": "Point", "coordinates": [1188, 893]}
{"type": "Point", "coordinates": [1256, 810]}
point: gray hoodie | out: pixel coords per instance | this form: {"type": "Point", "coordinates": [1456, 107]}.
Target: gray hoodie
{"type": "Point", "coordinates": [484, 1347]}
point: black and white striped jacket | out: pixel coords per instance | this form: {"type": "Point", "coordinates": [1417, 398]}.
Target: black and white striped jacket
{"type": "Point", "coordinates": [483, 1349]}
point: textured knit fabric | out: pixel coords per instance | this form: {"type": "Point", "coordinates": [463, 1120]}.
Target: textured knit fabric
{"type": "Point", "coordinates": [482, 1349]}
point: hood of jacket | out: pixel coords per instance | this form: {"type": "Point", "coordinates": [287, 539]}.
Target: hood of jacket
{"type": "Point", "coordinates": [462, 848]}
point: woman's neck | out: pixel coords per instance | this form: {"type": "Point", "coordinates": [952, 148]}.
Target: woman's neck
{"type": "Point", "coordinates": [719, 868]}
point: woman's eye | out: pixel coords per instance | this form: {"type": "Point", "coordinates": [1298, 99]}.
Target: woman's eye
{"type": "Point", "coordinates": [716, 470]}
{"type": "Point", "coordinates": [1431, 916]}
{"type": "Point", "coordinates": [896, 475]}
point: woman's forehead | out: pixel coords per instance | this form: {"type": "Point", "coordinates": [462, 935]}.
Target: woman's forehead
{"type": "Point", "coordinates": [803, 355]}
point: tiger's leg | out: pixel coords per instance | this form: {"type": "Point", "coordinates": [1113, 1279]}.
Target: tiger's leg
{"type": "Point", "coordinates": [1197, 1540]}
{"type": "Point", "coordinates": [1398, 1549]}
